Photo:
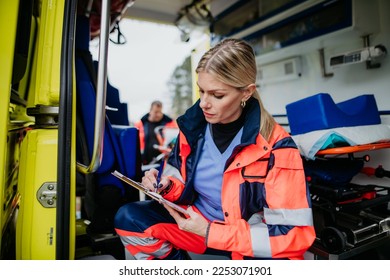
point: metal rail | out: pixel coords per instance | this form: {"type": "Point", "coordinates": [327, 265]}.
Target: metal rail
{"type": "Point", "coordinates": [101, 92]}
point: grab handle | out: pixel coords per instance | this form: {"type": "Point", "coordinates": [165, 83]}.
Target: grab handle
{"type": "Point", "coordinates": [101, 92]}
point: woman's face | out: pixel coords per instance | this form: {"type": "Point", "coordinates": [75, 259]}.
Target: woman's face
{"type": "Point", "coordinates": [220, 102]}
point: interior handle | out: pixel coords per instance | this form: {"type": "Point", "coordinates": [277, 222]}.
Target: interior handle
{"type": "Point", "coordinates": [101, 92]}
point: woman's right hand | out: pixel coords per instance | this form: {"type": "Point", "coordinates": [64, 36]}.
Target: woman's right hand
{"type": "Point", "coordinates": [150, 181]}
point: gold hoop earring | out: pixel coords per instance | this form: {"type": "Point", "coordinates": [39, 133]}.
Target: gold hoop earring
{"type": "Point", "coordinates": [243, 103]}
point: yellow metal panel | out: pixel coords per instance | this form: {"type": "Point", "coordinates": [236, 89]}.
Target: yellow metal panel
{"type": "Point", "coordinates": [49, 53]}
{"type": "Point", "coordinates": [8, 24]}
{"type": "Point", "coordinates": [35, 233]}
{"type": "Point", "coordinates": [25, 83]}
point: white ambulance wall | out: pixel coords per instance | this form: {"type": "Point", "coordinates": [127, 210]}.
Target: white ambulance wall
{"type": "Point", "coordinates": [347, 82]}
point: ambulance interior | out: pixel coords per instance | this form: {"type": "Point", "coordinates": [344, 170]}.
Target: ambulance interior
{"type": "Point", "coordinates": [323, 74]}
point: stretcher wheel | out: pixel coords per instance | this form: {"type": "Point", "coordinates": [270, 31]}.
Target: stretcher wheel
{"type": "Point", "coordinates": [333, 239]}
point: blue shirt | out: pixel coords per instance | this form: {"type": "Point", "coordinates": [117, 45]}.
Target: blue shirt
{"type": "Point", "coordinates": [209, 174]}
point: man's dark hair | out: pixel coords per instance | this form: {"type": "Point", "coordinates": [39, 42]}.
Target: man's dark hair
{"type": "Point", "coordinates": [156, 103]}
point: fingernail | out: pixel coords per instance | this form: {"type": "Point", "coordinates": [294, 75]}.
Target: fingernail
{"type": "Point", "coordinates": [160, 185]}
{"type": "Point", "coordinates": [154, 185]}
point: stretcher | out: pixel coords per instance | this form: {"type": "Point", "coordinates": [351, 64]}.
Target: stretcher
{"type": "Point", "coordinates": [354, 149]}
{"type": "Point", "coordinates": [349, 218]}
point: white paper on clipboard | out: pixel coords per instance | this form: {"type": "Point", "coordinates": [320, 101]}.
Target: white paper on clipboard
{"type": "Point", "coordinates": [153, 195]}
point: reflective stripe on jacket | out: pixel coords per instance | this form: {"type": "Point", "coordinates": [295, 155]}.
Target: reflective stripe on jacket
{"type": "Point", "coordinates": [265, 199]}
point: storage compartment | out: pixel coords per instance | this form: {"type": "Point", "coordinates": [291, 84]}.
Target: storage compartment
{"type": "Point", "coordinates": [282, 29]}
{"type": "Point", "coordinates": [321, 112]}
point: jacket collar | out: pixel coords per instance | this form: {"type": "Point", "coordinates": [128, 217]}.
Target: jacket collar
{"type": "Point", "coordinates": [193, 123]}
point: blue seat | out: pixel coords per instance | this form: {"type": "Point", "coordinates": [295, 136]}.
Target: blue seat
{"type": "Point", "coordinates": [121, 149]}
{"type": "Point", "coordinates": [119, 116]}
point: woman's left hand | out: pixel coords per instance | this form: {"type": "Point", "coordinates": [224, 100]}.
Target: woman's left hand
{"type": "Point", "coordinates": [194, 223]}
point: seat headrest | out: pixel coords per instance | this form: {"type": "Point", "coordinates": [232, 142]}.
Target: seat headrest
{"type": "Point", "coordinates": [83, 33]}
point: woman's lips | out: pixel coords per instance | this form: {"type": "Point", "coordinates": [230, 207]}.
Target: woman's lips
{"type": "Point", "coordinates": [207, 115]}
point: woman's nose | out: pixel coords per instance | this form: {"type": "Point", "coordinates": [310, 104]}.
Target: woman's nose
{"type": "Point", "coordinates": [204, 102]}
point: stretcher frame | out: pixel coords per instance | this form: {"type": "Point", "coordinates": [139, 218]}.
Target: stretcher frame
{"type": "Point", "coordinates": [373, 241]}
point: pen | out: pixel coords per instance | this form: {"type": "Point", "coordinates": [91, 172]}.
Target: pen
{"type": "Point", "coordinates": [160, 171]}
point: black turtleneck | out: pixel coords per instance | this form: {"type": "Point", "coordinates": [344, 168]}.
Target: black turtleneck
{"type": "Point", "coordinates": [223, 134]}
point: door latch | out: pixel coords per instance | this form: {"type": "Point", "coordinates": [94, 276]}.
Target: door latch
{"type": "Point", "coordinates": [47, 195]}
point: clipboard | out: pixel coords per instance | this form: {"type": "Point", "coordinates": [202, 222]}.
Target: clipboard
{"type": "Point", "coordinates": [151, 194]}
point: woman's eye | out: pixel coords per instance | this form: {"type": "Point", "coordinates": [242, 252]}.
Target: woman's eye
{"type": "Point", "coordinates": [218, 96]}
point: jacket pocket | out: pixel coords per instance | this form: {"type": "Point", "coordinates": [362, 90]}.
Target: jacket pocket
{"type": "Point", "coordinates": [288, 159]}
{"type": "Point", "coordinates": [256, 171]}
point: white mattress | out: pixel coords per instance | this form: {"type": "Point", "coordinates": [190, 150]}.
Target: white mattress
{"type": "Point", "coordinates": [310, 143]}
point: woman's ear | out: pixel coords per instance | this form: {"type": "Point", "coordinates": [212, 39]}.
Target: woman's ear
{"type": "Point", "coordinates": [249, 90]}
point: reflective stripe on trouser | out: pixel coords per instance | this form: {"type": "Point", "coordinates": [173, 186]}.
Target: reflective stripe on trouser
{"type": "Point", "coordinates": [148, 231]}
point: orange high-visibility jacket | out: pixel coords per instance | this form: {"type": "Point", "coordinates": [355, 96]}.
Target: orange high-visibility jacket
{"type": "Point", "coordinates": [143, 122]}
{"type": "Point", "coordinates": [264, 196]}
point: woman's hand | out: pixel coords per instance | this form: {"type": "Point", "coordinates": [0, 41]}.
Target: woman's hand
{"type": "Point", "coordinates": [150, 181]}
{"type": "Point", "coordinates": [194, 223]}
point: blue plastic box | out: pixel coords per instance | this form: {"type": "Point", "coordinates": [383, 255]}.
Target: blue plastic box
{"type": "Point", "coordinates": [320, 112]}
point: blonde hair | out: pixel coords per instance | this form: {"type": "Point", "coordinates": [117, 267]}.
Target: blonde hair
{"type": "Point", "coordinates": [232, 62]}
